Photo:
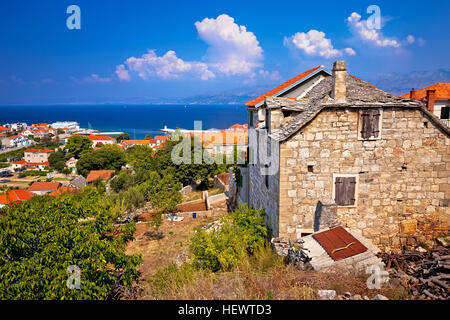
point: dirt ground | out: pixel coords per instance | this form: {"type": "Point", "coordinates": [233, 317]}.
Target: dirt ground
{"type": "Point", "coordinates": [21, 183]}
{"type": "Point", "coordinates": [172, 247]}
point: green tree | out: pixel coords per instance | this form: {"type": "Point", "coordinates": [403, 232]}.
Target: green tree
{"type": "Point", "coordinates": [184, 172]}
{"type": "Point", "coordinates": [109, 157]}
{"type": "Point", "coordinates": [57, 160]}
{"type": "Point", "coordinates": [42, 237]}
{"type": "Point", "coordinates": [77, 145]}
{"type": "Point", "coordinates": [122, 136]}
{"type": "Point", "coordinates": [162, 192]}
{"type": "Point", "coordinates": [140, 157]}
{"type": "Point", "coordinates": [148, 137]}
{"type": "Point", "coordinates": [241, 234]}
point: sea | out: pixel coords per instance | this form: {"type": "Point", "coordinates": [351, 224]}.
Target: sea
{"type": "Point", "coordinates": [136, 120]}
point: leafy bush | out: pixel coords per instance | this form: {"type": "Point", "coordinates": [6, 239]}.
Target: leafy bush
{"type": "Point", "coordinates": [42, 237]}
{"type": "Point", "coordinates": [240, 235]}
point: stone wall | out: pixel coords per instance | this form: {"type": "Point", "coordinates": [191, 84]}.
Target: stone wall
{"type": "Point", "coordinates": [403, 179]}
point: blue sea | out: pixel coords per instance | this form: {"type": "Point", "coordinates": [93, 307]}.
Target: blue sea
{"type": "Point", "coordinates": [137, 120]}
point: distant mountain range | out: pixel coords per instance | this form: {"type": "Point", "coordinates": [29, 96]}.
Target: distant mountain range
{"type": "Point", "coordinates": [395, 83]}
{"type": "Point", "coordinates": [400, 83]}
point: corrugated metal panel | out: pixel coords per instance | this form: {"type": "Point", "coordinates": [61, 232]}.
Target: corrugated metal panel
{"type": "Point", "coordinates": [339, 244]}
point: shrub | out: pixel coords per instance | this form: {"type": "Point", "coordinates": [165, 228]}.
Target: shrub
{"type": "Point", "coordinates": [240, 235]}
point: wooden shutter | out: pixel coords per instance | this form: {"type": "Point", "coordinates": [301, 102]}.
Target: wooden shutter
{"type": "Point", "coordinates": [345, 191]}
{"type": "Point", "coordinates": [370, 123]}
{"type": "Point", "coordinates": [374, 123]}
{"type": "Point", "coordinates": [365, 125]}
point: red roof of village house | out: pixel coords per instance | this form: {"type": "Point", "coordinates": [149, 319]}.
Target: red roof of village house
{"type": "Point", "coordinates": [442, 92]}
{"type": "Point", "coordinates": [44, 186]}
{"type": "Point", "coordinates": [40, 151]}
{"type": "Point", "coordinates": [100, 138]}
{"type": "Point", "coordinates": [3, 128]}
{"type": "Point", "coordinates": [161, 138]}
{"type": "Point", "coordinates": [2, 135]}
{"type": "Point", "coordinates": [131, 142]}
{"type": "Point", "coordinates": [99, 174]}
{"type": "Point", "coordinates": [281, 87]}
{"type": "Point", "coordinates": [62, 190]}
{"type": "Point", "coordinates": [15, 196]}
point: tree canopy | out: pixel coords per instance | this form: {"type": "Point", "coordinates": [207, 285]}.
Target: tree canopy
{"type": "Point", "coordinates": [77, 145]}
{"type": "Point", "coordinates": [57, 160]}
{"type": "Point", "coordinates": [122, 136]}
{"type": "Point", "coordinates": [109, 157]}
{"type": "Point", "coordinates": [41, 238]}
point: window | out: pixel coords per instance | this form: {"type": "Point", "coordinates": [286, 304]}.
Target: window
{"type": "Point", "coordinates": [251, 118]}
{"type": "Point", "coordinates": [345, 191]}
{"type": "Point", "coordinates": [268, 120]}
{"type": "Point", "coordinates": [369, 124]}
{"type": "Point", "coordinates": [445, 113]}
{"type": "Point", "coordinates": [267, 181]}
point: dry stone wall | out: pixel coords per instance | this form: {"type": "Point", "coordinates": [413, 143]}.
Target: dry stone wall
{"type": "Point", "coordinates": [403, 178]}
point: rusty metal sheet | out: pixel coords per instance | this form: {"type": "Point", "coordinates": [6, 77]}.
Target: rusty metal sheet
{"type": "Point", "coordinates": [339, 244]}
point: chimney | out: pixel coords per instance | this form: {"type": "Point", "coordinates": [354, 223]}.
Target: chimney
{"type": "Point", "coordinates": [339, 86]}
{"type": "Point", "coordinates": [412, 94]}
{"type": "Point", "coordinates": [430, 99]}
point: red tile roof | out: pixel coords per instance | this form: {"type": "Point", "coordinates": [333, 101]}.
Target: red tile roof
{"type": "Point", "coordinates": [15, 196]}
{"type": "Point", "coordinates": [63, 189]}
{"type": "Point", "coordinates": [99, 174]}
{"type": "Point", "coordinates": [100, 138]}
{"type": "Point", "coordinates": [442, 91]}
{"type": "Point", "coordinates": [3, 128]}
{"type": "Point", "coordinates": [161, 138]}
{"type": "Point", "coordinates": [2, 135]}
{"type": "Point", "coordinates": [132, 142]}
{"type": "Point", "coordinates": [40, 151]}
{"type": "Point", "coordinates": [44, 186]}
{"type": "Point", "coordinates": [281, 87]}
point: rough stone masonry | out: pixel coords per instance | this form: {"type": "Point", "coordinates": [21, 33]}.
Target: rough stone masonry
{"type": "Point", "coordinates": [383, 160]}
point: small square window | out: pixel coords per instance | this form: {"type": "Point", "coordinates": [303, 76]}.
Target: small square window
{"type": "Point", "coordinates": [310, 168]}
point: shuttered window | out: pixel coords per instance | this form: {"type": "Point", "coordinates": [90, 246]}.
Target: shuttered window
{"type": "Point", "coordinates": [345, 191]}
{"type": "Point", "coordinates": [370, 123]}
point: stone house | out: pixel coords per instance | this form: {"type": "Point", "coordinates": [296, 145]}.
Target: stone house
{"type": "Point", "coordinates": [344, 152]}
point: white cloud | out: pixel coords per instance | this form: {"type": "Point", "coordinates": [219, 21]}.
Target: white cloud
{"type": "Point", "coordinates": [122, 73]}
{"type": "Point", "coordinates": [168, 66]}
{"type": "Point", "coordinates": [314, 43]}
{"type": "Point", "coordinates": [233, 50]}
{"type": "Point", "coordinates": [371, 35]}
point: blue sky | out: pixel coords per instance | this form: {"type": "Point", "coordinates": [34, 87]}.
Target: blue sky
{"type": "Point", "coordinates": [128, 50]}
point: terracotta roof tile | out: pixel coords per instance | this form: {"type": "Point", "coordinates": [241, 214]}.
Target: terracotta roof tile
{"type": "Point", "coordinates": [44, 186]}
{"type": "Point", "coordinates": [442, 91]}
{"type": "Point", "coordinates": [281, 87]}
{"type": "Point", "coordinates": [99, 174]}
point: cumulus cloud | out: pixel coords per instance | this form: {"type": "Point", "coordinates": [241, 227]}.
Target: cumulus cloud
{"type": "Point", "coordinates": [168, 66]}
{"type": "Point", "coordinates": [371, 35]}
{"type": "Point", "coordinates": [122, 73]}
{"type": "Point", "coordinates": [314, 43]}
{"type": "Point", "coordinates": [233, 50]}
